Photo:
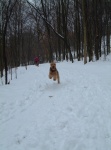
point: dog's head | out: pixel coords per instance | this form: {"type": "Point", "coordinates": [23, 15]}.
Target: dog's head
{"type": "Point", "coordinates": [53, 66]}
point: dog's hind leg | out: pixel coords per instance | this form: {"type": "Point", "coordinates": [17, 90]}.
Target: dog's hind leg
{"type": "Point", "coordinates": [58, 81]}
{"type": "Point", "coordinates": [58, 78]}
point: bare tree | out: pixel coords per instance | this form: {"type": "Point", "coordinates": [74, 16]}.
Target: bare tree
{"type": "Point", "coordinates": [84, 27]}
{"type": "Point", "coordinates": [7, 11]}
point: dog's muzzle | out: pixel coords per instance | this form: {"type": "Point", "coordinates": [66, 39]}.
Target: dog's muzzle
{"type": "Point", "coordinates": [53, 67]}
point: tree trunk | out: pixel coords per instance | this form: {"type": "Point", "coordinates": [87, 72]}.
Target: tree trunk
{"type": "Point", "coordinates": [84, 28]}
{"type": "Point", "coordinates": [5, 59]}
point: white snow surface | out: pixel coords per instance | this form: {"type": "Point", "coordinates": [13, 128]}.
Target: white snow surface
{"type": "Point", "coordinates": [37, 113]}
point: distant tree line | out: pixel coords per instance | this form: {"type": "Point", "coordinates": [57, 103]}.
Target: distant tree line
{"type": "Point", "coordinates": [64, 29]}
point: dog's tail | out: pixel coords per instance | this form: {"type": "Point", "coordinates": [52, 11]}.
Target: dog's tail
{"type": "Point", "coordinates": [58, 77]}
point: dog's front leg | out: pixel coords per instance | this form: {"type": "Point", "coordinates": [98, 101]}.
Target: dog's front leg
{"type": "Point", "coordinates": [50, 76]}
{"type": "Point", "coordinates": [54, 77]}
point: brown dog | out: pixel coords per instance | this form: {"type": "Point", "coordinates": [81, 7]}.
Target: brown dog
{"type": "Point", "coordinates": [53, 72]}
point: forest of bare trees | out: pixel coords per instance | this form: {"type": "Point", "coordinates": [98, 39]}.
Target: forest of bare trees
{"type": "Point", "coordinates": [64, 29]}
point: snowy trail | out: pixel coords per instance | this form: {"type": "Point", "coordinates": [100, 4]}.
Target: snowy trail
{"type": "Point", "coordinates": [74, 115]}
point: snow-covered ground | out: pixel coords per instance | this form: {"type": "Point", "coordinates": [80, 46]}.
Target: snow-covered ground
{"type": "Point", "coordinates": [36, 113]}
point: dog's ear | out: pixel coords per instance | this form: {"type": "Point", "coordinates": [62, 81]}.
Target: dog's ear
{"type": "Point", "coordinates": [51, 63]}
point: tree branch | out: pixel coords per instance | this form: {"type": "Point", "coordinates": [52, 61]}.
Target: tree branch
{"type": "Point", "coordinates": [45, 20]}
